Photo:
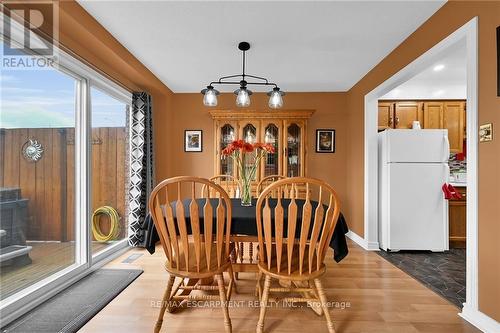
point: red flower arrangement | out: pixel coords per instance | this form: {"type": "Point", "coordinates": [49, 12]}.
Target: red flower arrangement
{"type": "Point", "coordinates": [245, 147]}
{"type": "Point", "coordinates": [238, 150]}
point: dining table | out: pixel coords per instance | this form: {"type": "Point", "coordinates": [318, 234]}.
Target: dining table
{"type": "Point", "coordinates": [243, 224]}
{"type": "Point", "coordinates": [244, 229]}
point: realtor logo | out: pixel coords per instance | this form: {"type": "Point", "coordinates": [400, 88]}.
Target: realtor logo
{"type": "Point", "coordinates": [30, 33]}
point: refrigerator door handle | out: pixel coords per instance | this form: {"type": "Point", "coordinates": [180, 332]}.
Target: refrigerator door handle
{"type": "Point", "coordinates": [446, 152]}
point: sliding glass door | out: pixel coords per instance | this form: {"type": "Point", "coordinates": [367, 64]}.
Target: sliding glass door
{"type": "Point", "coordinates": [109, 154]}
{"type": "Point", "coordinates": [37, 176]}
{"type": "Point", "coordinates": [64, 176]}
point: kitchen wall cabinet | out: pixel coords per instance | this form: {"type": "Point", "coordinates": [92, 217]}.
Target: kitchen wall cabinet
{"type": "Point", "coordinates": [385, 115]}
{"type": "Point", "coordinates": [433, 115]}
{"type": "Point", "coordinates": [286, 130]}
{"type": "Point", "coordinates": [448, 115]}
{"type": "Point", "coordinates": [453, 120]}
{"type": "Point", "coordinates": [458, 220]}
{"type": "Point", "coordinates": [405, 113]}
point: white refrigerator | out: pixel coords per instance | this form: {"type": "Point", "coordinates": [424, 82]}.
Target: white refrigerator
{"type": "Point", "coordinates": [413, 166]}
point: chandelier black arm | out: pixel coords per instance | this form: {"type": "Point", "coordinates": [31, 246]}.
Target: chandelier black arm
{"type": "Point", "coordinates": [228, 82]}
{"type": "Point", "coordinates": [243, 76]}
{"type": "Point", "coordinates": [262, 84]}
{"type": "Point", "coordinates": [257, 77]}
{"type": "Point", "coordinates": [229, 77]}
{"type": "Point", "coordinates": [248, 83]}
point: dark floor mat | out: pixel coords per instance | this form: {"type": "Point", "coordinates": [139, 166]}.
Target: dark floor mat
{"type": "Point", "coordinates": [70, 309]}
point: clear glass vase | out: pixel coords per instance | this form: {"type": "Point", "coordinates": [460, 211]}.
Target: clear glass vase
{"type": "Point", "coordinates": [246, 192]}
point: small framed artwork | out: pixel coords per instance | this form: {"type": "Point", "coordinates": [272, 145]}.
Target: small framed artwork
{"type": "Point", "coordinates": [325, 141]}
{"type": "Point", "coordinates": [193, 140]}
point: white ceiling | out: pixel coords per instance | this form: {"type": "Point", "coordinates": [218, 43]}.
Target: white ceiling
{"type": "Point", "coordinates": [444, 79]}
{"type": "Point", "coordinates": [302, 46]}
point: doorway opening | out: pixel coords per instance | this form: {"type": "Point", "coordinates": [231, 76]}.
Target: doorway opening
{"type": "Point", "coordinates": [467, 35]}
{"type": "Point", "coordinates": [429, 232]}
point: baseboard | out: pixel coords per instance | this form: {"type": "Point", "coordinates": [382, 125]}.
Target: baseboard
{"type": "Point", "coordinates": [373, 246]}
{"type": "Point", "coordinates": [369, 246]}
{"type": "Point", "coordinates": [480, 320]}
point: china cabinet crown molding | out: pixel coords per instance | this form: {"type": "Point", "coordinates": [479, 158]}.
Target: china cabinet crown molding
{"type": "Point", "coordinates": [259, 114]}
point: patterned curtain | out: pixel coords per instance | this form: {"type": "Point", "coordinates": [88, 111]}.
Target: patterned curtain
{"type": "Point", "coordinates": [141, 166]}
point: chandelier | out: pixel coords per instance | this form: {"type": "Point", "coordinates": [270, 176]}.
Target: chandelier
{"type": "Point", "coordinates": [243, 93]}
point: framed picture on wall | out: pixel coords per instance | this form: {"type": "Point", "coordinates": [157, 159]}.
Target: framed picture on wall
{"type": "Point", "coordinates": [325, 141]}
{"type": "Point", "coordinates": [193, 140]}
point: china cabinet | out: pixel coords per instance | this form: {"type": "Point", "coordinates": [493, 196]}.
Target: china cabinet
{"type": "Point", "coordinates": [285, 130]}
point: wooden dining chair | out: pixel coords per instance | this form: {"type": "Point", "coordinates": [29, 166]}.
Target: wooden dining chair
{"type": "Point", "coordinates": [294, 248]}
{"type": "Point", "coordinates": [196, 248]}
{"type": "Point", "coordinates": [245, 251]}
{"type": "Point", "coordinates": [230, 184]}
{"type": "Point", "coordinates": [266, 181]}
{"type": "Point", "coordinates": [227, 182]}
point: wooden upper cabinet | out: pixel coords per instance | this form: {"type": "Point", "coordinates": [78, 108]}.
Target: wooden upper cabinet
{"type": "Point", "coordinates": [442, 114]}
{"type": "Point", "coordinates": [406, 113]}
{"type": "Point", "coordinates": [433, 115]}
{"type": "Point", "coordinates": [385, 115]}
{"type": "Point", "coordinates": [454, 122]}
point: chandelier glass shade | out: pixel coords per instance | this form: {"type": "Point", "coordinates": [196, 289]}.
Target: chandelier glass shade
{"type": "Point", "coordinates": [210, 96]}
{"type": "Point", "coordinates": [242, 97]}
{"type": "Point", "coordinates": [275, 98]}
{"type": "Point", "coordinates": [243, 93]}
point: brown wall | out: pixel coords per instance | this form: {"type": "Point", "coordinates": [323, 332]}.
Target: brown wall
{"type": "Point", "coordinates": [189, 113]}
{"type": "Point", "coordinates": [90, 41]}
{"type": "Point", "coordinates": [449, 18]}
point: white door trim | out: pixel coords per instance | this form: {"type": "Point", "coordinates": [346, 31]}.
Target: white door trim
{"type": "Point", "coordinates": [469, 33]}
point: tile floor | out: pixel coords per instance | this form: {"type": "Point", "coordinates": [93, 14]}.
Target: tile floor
{"type": "Point", "coordinates": [444, 273]}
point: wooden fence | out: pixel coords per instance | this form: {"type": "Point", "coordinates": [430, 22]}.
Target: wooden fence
{"type": "Point", "coordinates": [49, 183]}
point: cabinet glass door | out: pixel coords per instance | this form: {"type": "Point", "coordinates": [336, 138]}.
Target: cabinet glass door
{"type": "Point", "coordinates": [293, 149]}
{"type": "Point", "coordinates": [271, 164]}
{"type": "Point", "coordinates": [249, 134]}
{"type": "Point", "coordinates": [226, 137]}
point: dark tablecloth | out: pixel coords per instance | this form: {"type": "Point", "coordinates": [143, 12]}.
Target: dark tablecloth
{"type": "Point", "coordinates": [243, 223]}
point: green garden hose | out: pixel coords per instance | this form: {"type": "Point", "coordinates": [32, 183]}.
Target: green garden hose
{"type": "Point", "coordinates": [114, 228]}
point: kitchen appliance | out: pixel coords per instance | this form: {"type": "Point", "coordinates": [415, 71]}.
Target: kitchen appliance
{"type": "Point", "coordinates": [413, 166]}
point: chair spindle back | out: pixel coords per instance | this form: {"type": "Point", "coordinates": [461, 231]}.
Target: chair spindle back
{"type": "Point", "coordinates": [308, 235]}
{"type": "Point", "coordinates": [202, 235]}
{"type": "Point", "coordinates": [227, 182]}
{"type": "Point", "coordinates": [266, 181]}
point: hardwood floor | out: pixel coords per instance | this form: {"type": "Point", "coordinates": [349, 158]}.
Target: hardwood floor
{"type": "Point", "coordinates": [377, 297]}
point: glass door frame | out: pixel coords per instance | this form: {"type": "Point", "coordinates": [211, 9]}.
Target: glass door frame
{"type": "Point", "coordinates": [301, 124]}
{"type": "Point", "coordinates": [21, 302]}
{"type": "Point", "coordinates": [120, 94]}
{"type": "Point", "coordinates": [265, 123]}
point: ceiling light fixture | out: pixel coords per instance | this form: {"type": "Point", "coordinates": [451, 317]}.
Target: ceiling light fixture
{"type": "Point", "coordinates": [243, 93]}
{"type": "Point", "coordinates": [438, 68]}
